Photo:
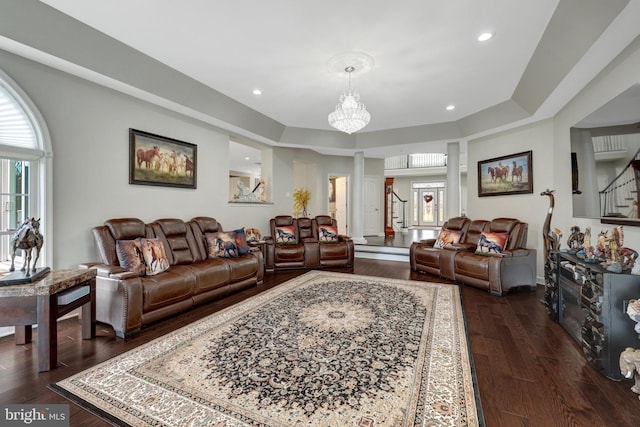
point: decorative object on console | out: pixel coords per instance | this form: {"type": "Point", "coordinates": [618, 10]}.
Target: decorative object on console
{"type": "Point", "coordinates": [27, 238]}
{"type": "Point", "coordinates": [158, 160]}
{"type": "Point", "coordinates": [551, 244]}
{"type": "Point", "coordinates": [512, 174]}
{"type": "Point", "coordinates": [575, 239]}
{"type": "Point", "coordinates": [301, 198]}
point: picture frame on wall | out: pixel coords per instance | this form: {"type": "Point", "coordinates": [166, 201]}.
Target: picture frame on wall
{"type": "Point", "coordinates": [161, 161]}
{"type": "Point", "coordinates": [512, 174]}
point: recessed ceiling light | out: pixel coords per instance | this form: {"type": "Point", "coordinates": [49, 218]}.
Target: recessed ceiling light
{"type": "Point", "coordinates": [451, 107]}
{"type": "Point", "coordinates": [257, 92]}
{"type": "Point", "coordinates": [247, 158]}
{"type": "Point", "coordinates": [485, 36]}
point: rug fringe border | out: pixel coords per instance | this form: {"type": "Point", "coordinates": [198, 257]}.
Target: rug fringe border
{"type": "Point", "coordinates": [89, 407]}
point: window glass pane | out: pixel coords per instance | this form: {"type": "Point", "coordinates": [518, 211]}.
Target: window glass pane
{"type": "Point", "coordinates": [15, 127]}
{"type": "Point", "coordinates": [14, 205]}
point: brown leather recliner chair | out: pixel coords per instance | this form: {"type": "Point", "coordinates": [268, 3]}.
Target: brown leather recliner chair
{"type": "Point", "coordinates": [514, 266]}
{"type": "Point", "coordinates": [291, 244]}
{"type": "Point", "coordinates": [335, 254]}
{"type": "Point", "coordinates": [423, 256]}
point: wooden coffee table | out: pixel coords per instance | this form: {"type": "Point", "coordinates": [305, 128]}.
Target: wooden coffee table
{"type": "Point", "coordinates": [43, 302]}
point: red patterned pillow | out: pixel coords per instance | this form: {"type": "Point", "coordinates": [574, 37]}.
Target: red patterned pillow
{"type": "Point", "coordinates": [285, 235]}
{"type": "Point", "coordinates": [491, 243]}
{"type": "Point", "coordinates": [154, 256]}
{"type": "Point", "coordinates": [327, 234]}
{"type": "Point", "coordinates": [130, 255]}
{"type": "Point", "coordinates": [447, 237]}
{"type": "Point", "coordinates": [222, 244]}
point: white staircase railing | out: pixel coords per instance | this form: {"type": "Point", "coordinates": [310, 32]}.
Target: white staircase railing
{"type": "Point", "coordinates": [619, 198]}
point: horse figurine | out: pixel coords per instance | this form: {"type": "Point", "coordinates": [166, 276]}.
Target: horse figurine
{"type": "Point", "coordinates": [26, 238]}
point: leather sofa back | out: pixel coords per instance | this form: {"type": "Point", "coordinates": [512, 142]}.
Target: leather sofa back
{"type": "Point", "coordinates": [476, 227]}
{"type": "Point", "coordinates": [200, 226]}
{"type": "Point", "coordinates": [305, 229]}
{"type": "Point", "coordinates": [117, 229]}
{"type": "Point", "coordinates": [177, 238]}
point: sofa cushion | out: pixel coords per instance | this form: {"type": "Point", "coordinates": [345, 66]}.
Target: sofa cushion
{"type": "Point", "coordinates": [447, 237]}
{"type": "Point", "coordinates": [154, 256]}
{"type": "Point", "coordinates": [241, 241]}
{"type": "Point", "coordinates": [222, 244]}
{"type": "Point", "coordinates": [285, 235]}
{"type": "Point", "coordinates": [327, 234]}
{"type": "Point", "coordinates": [130, 256]}
{"type": "Point", "coordinates": [491, 243]}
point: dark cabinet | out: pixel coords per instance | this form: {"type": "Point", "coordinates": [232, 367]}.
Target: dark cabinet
{"type": "Point", "coordinates": [591, 306]}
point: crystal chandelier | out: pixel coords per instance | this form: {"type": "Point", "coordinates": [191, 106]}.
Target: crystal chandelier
{"type": "Point", "coordinates": [350, 114]}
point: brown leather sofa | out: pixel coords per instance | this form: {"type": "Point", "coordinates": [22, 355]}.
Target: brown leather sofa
{"type": "Point", "coordinates": [514, 266]}
{"type": "Point", "coordinates": [127, 301]}
{"type": "Point", "coordinates": [299, 243]}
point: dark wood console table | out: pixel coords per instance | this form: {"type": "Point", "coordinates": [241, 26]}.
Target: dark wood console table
{"type": "Point", "coordinates": [43, 302]}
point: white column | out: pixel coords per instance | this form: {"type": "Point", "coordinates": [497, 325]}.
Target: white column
{"type": "Point", "coordinates": [357, 192]}
{"type": "Point", "coordinates": [452, 205]}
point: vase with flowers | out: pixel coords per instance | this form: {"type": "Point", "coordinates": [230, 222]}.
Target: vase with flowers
{"type": "Point", "coordinates": [301, 197]}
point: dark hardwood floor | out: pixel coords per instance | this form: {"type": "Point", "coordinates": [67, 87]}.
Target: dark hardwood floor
{"type": "Point", "coordinates": [529, 371]}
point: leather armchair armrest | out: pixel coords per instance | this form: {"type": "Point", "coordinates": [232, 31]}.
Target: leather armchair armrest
{"type": "Point", "coordinates": [124, 275]}
{"type": "Point", "coordinates": [104, 270]}
{"type": "Point", "coordinates": [461, 247]}
{"type": "Point", "coordinates": [428, 242]}
{"type": "Point", "coordinates": [513, 253]}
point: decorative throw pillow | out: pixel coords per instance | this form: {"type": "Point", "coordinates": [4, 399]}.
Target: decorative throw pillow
{"type": "Point", "coordinates": [130, 256]}
{"type": "Point", "coordinates": [241, 242]}
{"type": "Point", "coordinates": [491, 243]}
{"type": "Point", "coordinates": [446, 237]}
{"type": "Point", "coordinates": [327, 234]}
{"type": "Point", "coordinates": [286, 235]}
{"type": "Point", "coordinates": [222, 244]}
{"type": "Point", "coordinates": [154, 256]}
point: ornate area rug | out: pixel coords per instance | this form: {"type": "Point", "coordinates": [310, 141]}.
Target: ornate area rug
{"type": "Point", "coordinates": [324, 349]}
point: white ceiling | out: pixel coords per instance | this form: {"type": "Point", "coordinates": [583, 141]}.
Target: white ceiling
{"type": "Point", "coordinates": [425, 53]}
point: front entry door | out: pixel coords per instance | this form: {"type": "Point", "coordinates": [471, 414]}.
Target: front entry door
{"type": "Point", "coordinates": [428, 204]}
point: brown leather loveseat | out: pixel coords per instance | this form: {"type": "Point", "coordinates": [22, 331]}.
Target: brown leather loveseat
{"type": "Point", "coordinates": [130, 296]}
{"type": "Point", "coordinates": [488, 267]}
{"type": "Point", "coordinates": [306, 243]}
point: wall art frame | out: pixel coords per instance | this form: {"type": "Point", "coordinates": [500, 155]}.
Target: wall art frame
{"type": "Point", "coordinates": [161, 161]}
{"type": "Point", "coordinates": [506, 175]}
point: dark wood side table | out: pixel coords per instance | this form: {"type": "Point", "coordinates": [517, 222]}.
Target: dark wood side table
{"type": "Point", "coordinates": [261, 245]}
{"type": "Point", "coordinates": [43, 302]}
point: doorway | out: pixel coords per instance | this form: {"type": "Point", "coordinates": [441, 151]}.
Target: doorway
{"type": "Point", "coordinates": [428, 201]}
{"type": "Point", "coordinates": [339, 201]}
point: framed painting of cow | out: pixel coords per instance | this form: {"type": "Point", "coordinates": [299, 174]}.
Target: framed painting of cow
{"type": "Point", "coordinates": [158, 160]}
{"type": "Point", "coordinates": [504, 175]}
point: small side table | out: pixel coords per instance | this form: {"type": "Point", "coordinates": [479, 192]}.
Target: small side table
{"type": "Point", "coordinates": [43, 302]}
{"type": "Point", "coordinates": [259, 244]}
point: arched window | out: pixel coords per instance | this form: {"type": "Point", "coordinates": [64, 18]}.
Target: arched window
{"type": "Point", "coordinates": [25, 164]}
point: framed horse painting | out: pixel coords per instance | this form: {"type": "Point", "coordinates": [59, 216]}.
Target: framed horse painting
{"type": "Point", "coordinates": [158, 160]}
{"type": "Point", "coordinates": [511, 174]}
